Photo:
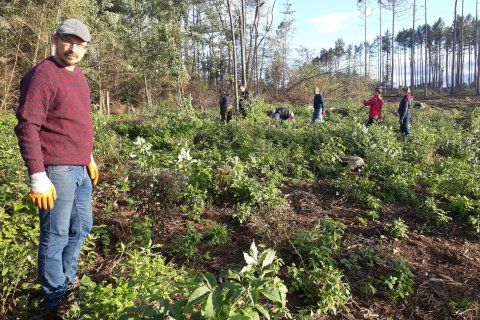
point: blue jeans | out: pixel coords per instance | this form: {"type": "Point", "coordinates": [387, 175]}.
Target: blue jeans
{"type": "Point", "coordinates": [316, 114]}
{"type": "Point", "coordinates": [405, 124]}
{"type": "Point", "coordinates": [63, 230]}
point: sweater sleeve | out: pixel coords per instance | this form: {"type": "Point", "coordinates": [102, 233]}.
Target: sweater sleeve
{"type": "Point", "coordinates": [368, 103]}
{"type": "Point", "coordinates": [35, 98]}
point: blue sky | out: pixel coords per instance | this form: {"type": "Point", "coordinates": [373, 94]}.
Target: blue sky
{"type": "Point", "coordinates": [319, 23]}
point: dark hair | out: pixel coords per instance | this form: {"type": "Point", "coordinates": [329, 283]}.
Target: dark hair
{"type": "Point", "coordinates": [378, 90]}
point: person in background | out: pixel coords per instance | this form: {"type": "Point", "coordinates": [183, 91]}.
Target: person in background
{"type": "Point", "coordinates": [281, 113]}
{"type": "Point", "coordinates": [55, 135]}
{"type": "Point", "coordinates": [404, 111]}
{"type": "Point", "coordinates": [244, 101]}
{"type": "Point", "coordinates": [318, 111]}
{"type": "Point", "coordinates": [375, 103]}
{"type": "Point", "coordinates": [226, 107]}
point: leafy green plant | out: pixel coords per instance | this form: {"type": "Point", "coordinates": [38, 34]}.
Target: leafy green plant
{"type": "Point", "coordinates": [360, 221]}
{"type": "Point", "coordinates": [372, 214]}
{"type": "Point", "coordinates": [431, 210]}
{"type": "Point", "coordinates": [143, 230]}
{"type": "Point", "coordinates": [398, 229]}
{"type": "Point", "coordinates": [318, 245]}
{"type": "Point", "coordinates": [187, 245]}
{"type": "Point", "coordinates": [373, 203]}
{"type": "Point", "coordinates": [217, 234]}
{"type": "Point", "coordinates": [250, 293]}
{"type": "Point", "coordinates": [242, 212]}
{"type": "Point", "coordinates": [474, 221]}
{"type": "Point", "coordinates": [142, 277]}
{"type": "Point", "coordinates": [321, 286]}
{"type": "Point", "coordinates": [400, 283]}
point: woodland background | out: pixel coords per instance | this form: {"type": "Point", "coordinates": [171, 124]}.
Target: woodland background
{"type": "Point", "coordinates": [184, 52]}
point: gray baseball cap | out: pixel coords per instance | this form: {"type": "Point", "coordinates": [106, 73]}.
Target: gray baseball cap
{"type": "Point", "coordinates": [74, 27]}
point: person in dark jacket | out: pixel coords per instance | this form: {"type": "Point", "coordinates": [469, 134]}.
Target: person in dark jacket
{"type": "Point", "coordinates": [281, 113]}
{"type": "Point", "coordinates": [318, 111]}
{"type": "Point", "coordinates": [244, 101]}
{"type": "Point", "coordinates": [226, 107]}
{"type": "Point", "coordinates": [375, 103]}
{"type": "Point", "coordinates": [404, 111]}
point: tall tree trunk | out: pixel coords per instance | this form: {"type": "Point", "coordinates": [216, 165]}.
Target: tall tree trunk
{"type": "Point", "coordinates": [461, 58]}
{"type": "Point", "coordinates": [380, 52]}
{"type": "Point", "coordinates": [412, 50]}
{"type": "Point", "coordinates": [447, 75]}
{"type": "Point", "coordinates": [426, 52]}
{"type": "Point", "coordinates": [454, 45]}
{"type": "Point", "coordinates": [405, 67]}
{"type": "Point", "coordinates": [243, 41]}
{"type": "Point", "coordinates": [393, 42]}
{"type": "Point", "coordinates": [477, 52]}
{"type": "Point", "coordinates": [234, 52]}
{"type": "Point", "coordinates": [365, 31]}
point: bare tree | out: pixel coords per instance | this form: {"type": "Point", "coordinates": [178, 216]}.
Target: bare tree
{"type": "Point", "coordinates": [398, 7]}
{"type": "Point", "coordinates": [412, 48]}
{"type": "Point", "coordinates": [364, 6]}
{"type": "Point", "coordinates": [243, 40]}
{"type": "Point", "coordinates": [453, 48]}
{"type": "Point", "coordinates": [477, 52]}
{"type": "Point", "coordinates": [234, 51]}
{"type": "Point", "coordinates": [426, 52]}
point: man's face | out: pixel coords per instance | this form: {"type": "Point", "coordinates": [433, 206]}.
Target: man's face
{"type": "Point", "coordinates": [317, 90]}
{"type": "Point", "coordinates": [70, 49]}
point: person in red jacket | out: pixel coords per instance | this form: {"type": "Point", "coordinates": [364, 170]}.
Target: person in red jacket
{"type": "Point", "coordinates": [55, 135]}
{"type": "Point", "coordinates": [375, 103]}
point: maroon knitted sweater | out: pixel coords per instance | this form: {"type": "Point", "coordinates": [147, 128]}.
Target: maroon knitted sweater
{"type": "Point", "coordinates": [54, 117]}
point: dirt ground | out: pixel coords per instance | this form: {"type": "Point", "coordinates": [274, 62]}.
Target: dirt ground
{"type": "Point", "coordinates": [445, 261]}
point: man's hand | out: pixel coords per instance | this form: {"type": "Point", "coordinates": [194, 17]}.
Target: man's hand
{"type": "Point", "coordinates": [93, 172]}
{"type": "Point", "coordinates": [42, 191]}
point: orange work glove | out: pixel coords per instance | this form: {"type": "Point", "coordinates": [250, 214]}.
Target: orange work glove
{"type": "Point", "coordinates": [42, 191]}
{"type": "Point", "coordinates": [93, 171]}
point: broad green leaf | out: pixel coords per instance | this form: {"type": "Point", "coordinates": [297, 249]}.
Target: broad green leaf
{"type": "Point", "coordinates": [175, 312]}
{"type": "Point", "coordinates": [212, 282]}
{"type": "Point", "coordinates": [232, 274]}
{"type": "Point", "coordinates": [234, 291]}
{"type": "Point", "coordinates": [268, 259]}
{"type": "Point", "coordinates": [253, 251]}
{"type": "Point", "coordinates": [272, 294]}
{"type": "Point", "coordinates": [263, 310]}
{"type": "Point", "coordinates": [209, 308]}
{"type": "Point", "coordinates": [251, 314]}
{"type": "Point", "coordinates": [198, 295]}
{"type": "Point", "coordinates": [239, 317]}
{"type": "Point", "coordinates": [253, 295]}
{"type": "Point", "coordinates": [217, 299]}
{"type": "Point", "coordinates": [249, 259]}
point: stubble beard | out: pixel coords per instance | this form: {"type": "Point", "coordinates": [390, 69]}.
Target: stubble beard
{"type": "Point", "coordinates": [68, 58]}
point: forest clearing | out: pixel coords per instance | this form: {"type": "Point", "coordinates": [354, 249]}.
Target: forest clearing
{"type": "Point", "coordinates": [183, 196]}
{"type": "Point", "coordinates": [163, 159]}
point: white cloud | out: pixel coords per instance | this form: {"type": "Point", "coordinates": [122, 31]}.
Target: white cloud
{"type": "Point", "coordinates": [337, 21]}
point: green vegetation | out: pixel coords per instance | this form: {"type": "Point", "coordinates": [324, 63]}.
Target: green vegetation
{"type": "Point", "coordinates": [163, 171]}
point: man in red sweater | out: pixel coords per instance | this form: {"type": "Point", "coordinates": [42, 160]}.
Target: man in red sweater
{"type": "Point", "coordinates": [55, 135]}
{"type": "Point", "coordinates": [375, 103]}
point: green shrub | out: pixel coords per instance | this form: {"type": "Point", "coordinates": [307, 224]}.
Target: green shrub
{"type": "Point", "coordinates": [318, 245]}
{"type": "Point", "coordinates": [398, 229]}
{"type": "Point", "coordinates": [400, 283]}
{"type": "Point", "coordinates": [217, 234]}
{"type": "Point", "coordinates": [321, 286]}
